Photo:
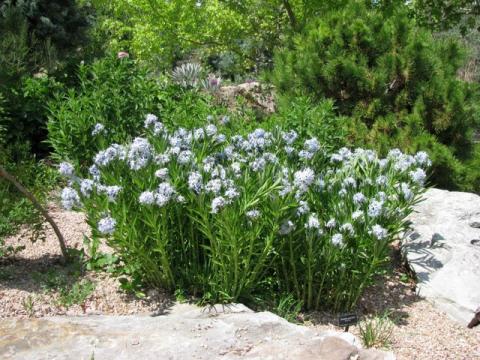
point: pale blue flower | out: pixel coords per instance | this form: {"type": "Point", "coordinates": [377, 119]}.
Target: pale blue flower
{"type": "Point", "coordinates": [236, 167]}
{"type": "Point", "coordinates": [258, 164]}
{"type": "Point", "coordinates": [303, 208]}
{"type": "Point", "coordinates": [289, 150]}
{"type": "Point", "coordinates": [357, 215]}
{"type": "Point", "coordinates": [406, 192]}
{"type": "Point", "coordinates": [175, 141]}
{"type": "Point", "coordinates": [174, 150]}
{"type": "Point", "coordinates": [70, 198]}
{"type": "Point", "coordinates": [217, 204]}
{"type": "Point", "coordinates": [270, 157]}
{"type": "Point", "coordinates": [347, 228]}
{"type": "Point", "coordinates": [158, 128]}
{"type": "Point", "coordinates": [214, 186]}
{"type": "Point", "coordinates": [110, 191]}
{"type": "Point", "coordinates": [150, 120]}
{"type": "Point", "coordinates": [147, 198]}
{"type": "Point", "coordinates": [404, 162]}
{"type": "Point", "coordinates": [104, 157]}
{"type": "Point", "coordinates": [312, 222]}
{"type": "Point", "coordinates": [337, 239]}
{"type": "Point", "coordinates": [304, 154]}
{"type": "Point", "coordinates": [311, 145]}
{"type": "Point", "coordinates": [66, 169]}
{"type": "Point", "coordinates": [289, 137]}
{"type": "Point", "coordinates": [302, 179]}
{"type": "Point", "coordinates": [220, 138]}
{"type": "Point", "coordinates": [211, 130]}
{"type": "Point", "coordinates": [181, 199]}
{"type": "Point", "coordinates": [336, 158]}
{"type": "Point", "coordinates": [394, 154]}
{"type": "Point", "coordinates": [418, 176]}
{"type": "Point", "coordinates": [98, 128]}
{"type": "Point", "coordinates": [382, 196]}
{"type": "Point", "coordinates": [139, 153]}
{"type": "Point", "coordinates": [162, 159]}
{"type": "Point", "coordinates": [375, 208]}
{"type": "Point", "coordinates": [253, 214]}
{"type": "Point", "coordinates": [164, 193]}
{"type": "Point", "coordinates": [162, 173]}
{"type": "Point", "coordinates": [331, 223]}
{"type": "Point", "coordinates": [359, 198]}
{"type": "Point", "coordinates": [383, 163]}
{"type": "Point", "coordinates": [224, 120]}
{"type": "Point", "coordinates": [350, 182]}
{"type": "Point", "coordinates": [219, 172]}
{"type": "Point", "coordinates": [185, 157]}
{"type": "Point", "coordinates": [86, 187]}
{"type": "Point", "coordinates": [107, 225]}
{"type": "Point", "coordinates": [381, 180]}
{"type": "Point", "coordinates": [199, 134]}
{"type": "Point", "coordinates": [232, 193]}
{"type": "Point", "coordinates": [379, 232]}
{"type": "Point", "coordinates": [195, 182]}
{"type": "Point", "coordinates": [95, 172]}
{"type": "Point", "coordinates": [422, 159]}
{"type": "Point", "coordinates": [345, 153]}
{"type": "Point", "coordinates": [287, 227]}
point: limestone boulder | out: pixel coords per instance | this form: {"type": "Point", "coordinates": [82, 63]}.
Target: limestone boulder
{"type": "Point", "coordinates": [186, 332]}
{"type": "Point", "coordinates": [443, 249]}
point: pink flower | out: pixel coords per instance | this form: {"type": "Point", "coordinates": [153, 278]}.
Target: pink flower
{"type": "Point", "coordinates": [122, 55]}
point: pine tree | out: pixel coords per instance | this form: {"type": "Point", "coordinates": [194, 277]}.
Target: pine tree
{"type": "Point", "coordinates": [397, 83]}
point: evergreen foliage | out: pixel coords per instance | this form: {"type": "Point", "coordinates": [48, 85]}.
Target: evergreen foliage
{"type": "Point", "coordinates": [394, 79]}
{"type": "Point", "coordinates": [54, 27]}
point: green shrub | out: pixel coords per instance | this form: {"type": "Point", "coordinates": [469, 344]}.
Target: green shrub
{"type": "Point", "coordinates": [230, 218]}
{"type": "Point", "coordinates": [53, 31]}
{"type": "Point", "coordinates": [397, 83]}
{"type": "Point", "coordinates": [310, 119]}
{"type": "Point", "coordinates": [36, 176]}
{"type": "Point", "coordinates": [116, 93]}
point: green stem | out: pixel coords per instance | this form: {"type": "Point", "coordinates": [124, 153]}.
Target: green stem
{"type": "Point", "coordinates": [309, 271]}
{"type": "Point", "coordinates": [294, 268]}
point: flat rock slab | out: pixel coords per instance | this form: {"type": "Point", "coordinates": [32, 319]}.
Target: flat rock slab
{"type": "Point", "coordinates": [186, 332]}
{"type": "Point", "coordinates": [444, 251]}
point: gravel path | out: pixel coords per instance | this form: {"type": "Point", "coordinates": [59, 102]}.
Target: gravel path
{"type": "Point", "coordinates": [24, 278]}
{"type": "Point", "coordinates": [420, 331]}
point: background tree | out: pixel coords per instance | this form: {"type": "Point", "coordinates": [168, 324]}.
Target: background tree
{"type": "Point", "coordinates": [397, 83]}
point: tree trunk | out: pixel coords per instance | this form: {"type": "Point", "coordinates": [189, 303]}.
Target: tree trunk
{"type": "Point", "coordinates": [291, 15]}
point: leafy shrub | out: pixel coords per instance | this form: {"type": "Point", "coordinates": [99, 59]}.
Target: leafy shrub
{"type": "Point", "coordinates": [36, 176]}
{"type": "Point", "coordinates": [54, 29]}
{"type": "Point", "coordinates": [397, 83]}
{"type": "Point", "coordinates": [230, 218]}
{"type": "Point", "coordinates": [113, 95]}
{"type": "Point", "coordinates": [311, 119]}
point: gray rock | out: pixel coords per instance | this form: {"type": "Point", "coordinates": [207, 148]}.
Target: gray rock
{"type": "Point", "coordinates": [442, 251]}
{"type": "Point", "coordinates": [186, 332]}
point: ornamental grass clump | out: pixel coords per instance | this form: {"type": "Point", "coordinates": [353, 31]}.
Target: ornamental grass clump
{"type": "Point", "coordinates": [235, 218]}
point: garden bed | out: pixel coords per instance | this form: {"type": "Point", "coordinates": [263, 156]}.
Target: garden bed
{"type": "Point", "coordinates": [34, 283]}
{"type": "Point", "coordinates": [419, 332]}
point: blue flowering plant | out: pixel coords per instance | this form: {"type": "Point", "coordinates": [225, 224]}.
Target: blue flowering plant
{"type": "Point", "coordinates": [235, 218]}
